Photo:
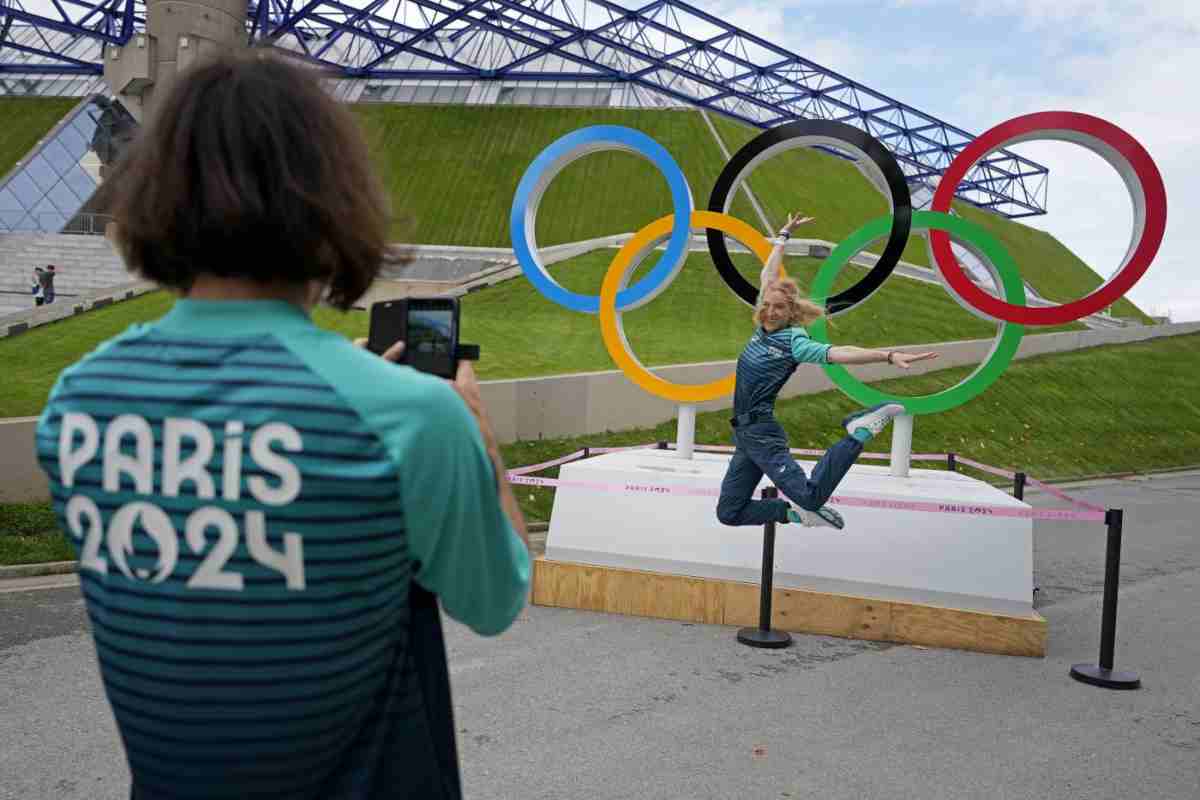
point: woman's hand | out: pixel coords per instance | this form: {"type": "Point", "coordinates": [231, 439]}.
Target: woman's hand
{"type": "Point", "coordinates": [795, 221]}
{"type": "Point", "coordinates": [903, 360]}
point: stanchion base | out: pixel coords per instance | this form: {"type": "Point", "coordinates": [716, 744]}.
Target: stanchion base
{"type": "Point", "coordinates": [1107, 678]}
{"type": "Point", "coordinates": [757, 637]}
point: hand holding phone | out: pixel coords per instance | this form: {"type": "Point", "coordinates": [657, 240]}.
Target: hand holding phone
{"type": "Point", "coordinates": [428, 326]}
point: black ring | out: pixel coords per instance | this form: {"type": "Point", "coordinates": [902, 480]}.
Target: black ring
{"type": "Point", "coordinates": [767, 144]}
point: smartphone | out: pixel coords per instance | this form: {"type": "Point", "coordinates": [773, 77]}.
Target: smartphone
{"type": "Point", "coordinates": [428, 326]}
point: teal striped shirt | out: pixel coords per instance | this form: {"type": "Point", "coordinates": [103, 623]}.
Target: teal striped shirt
{"type": "Point", "coordinates": [261, 510]}
{"type": "Point", "coordinates": [767, 362]}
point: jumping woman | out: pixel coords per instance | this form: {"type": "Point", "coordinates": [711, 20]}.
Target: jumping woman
{"type": "Point", "coordinates": [780, 343]}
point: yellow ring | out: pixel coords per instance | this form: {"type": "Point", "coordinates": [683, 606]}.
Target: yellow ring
{"type": "Point", "coordinates": [623, 264]}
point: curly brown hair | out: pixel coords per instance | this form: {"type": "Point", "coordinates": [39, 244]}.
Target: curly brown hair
{"type": "Point", "coordinates": [249, 169]}
{"type": "Point", "coordinates": [802, 312]}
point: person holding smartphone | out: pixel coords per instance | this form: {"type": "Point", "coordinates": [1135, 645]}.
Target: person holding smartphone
{"type": "Point", "coordinates": [268, 517]}
{"type": "Point", "coordinates": [779, 345]}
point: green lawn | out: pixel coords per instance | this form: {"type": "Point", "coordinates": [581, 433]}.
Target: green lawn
{"type": "Point", "coordinates": [29, 535]}
{"type": "Point", "coordinates": [26, 121]}
{"type": "Point", "coordinates": [452, 171]}
{"type": "Point", "coordinates": [1056, 416]}
{"type": "Point", "coordinates": [521, 334]}
{"type": "Point", "coordinates": [829, 189]}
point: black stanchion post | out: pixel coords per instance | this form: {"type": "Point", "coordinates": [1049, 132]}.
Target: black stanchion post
{"type": "Point", "coordinates": [950, 462]}
{"type": "Point", "coordinates": [662, 445]}
{"type": "Point", "coordinates": [1103, 674]}
{"type": "Point", "coordinates": [587, 452]}
{"type": "Point", "coordinates": [1019, 493]}
{"type": "Point", "coordinates": [763, 636]}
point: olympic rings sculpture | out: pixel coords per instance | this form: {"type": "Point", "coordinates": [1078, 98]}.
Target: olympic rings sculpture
{"type": "Point", "coordinates": [1119, 149]}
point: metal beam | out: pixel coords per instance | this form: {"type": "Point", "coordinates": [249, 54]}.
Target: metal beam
{"type": "Point", "coordinates": [723, 68]}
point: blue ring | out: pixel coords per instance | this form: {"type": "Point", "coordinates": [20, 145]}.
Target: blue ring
{"type": "Point", "coordinates": [565, 150]}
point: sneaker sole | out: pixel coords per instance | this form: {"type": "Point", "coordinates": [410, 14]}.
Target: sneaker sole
{"type": "Point", "coordinates": [847, 421]}
{"type": "Point", "coordinates": [830, 517]}
{"type": "Point", "coordinates": [859, 414]}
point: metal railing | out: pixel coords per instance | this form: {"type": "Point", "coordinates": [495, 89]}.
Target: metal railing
{"type": "Point", "coordinates": [82, 224]}
{"type": "Point", "coordinates": [88, 224]}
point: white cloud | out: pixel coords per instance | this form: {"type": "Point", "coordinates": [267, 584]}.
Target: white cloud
{"type": "Point", "coordinates": [1139, 79]}
{"type": "Point", "coordinates": [1132, 62]}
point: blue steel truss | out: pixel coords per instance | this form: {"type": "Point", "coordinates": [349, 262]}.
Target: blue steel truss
{"type": "Point", "coordinates": [666, 47]}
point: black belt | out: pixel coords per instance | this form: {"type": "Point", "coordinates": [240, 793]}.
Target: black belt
{"type": "Point", "coordinates": [749, 419]}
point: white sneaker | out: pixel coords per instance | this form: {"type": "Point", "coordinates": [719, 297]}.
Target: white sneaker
{"type": "Point", "coordinates": [823, 517]}
{"type": "Point", "coordinates": [873, 419]}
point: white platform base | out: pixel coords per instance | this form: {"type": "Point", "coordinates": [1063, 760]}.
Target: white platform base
{"type": "Point", "coordinates": [969, 562]}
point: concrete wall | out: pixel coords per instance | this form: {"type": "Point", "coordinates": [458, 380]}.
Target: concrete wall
{"type": "Point", "coordinates": [594, 402]}
{"type": "Point", "coordinates": [21, 480]}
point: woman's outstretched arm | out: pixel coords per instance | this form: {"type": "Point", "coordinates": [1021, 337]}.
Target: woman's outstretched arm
{"type": "Point", "coordinates": [849, 354]}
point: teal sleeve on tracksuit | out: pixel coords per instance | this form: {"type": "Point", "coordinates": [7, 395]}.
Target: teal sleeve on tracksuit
{"type": "Point", "coordinates": [806, 351]}
{"type": "Point", "coordinates": [468, 553]}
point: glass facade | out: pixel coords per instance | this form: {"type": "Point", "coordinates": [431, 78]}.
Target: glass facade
{"type": "Point", "coordinates": [47, 190]}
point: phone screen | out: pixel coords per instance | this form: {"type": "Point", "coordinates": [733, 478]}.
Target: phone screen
{"type": "Point", "coordinates": [428, 326]}
{"type": "Point", "coordinates": [431, 338]}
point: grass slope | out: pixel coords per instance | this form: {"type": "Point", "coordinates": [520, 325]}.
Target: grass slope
{"type": "Point", "coordinates": [26, 121]}
{"type": "Point", "coordinates": [523, 335]}
{"type": "Point", "coordinates": [1054, 416]}
{"type": "Point", "coordinates": [1048, 265]}
{"type": "Point", "coordinates": [836, 193]}
{"type": "Point", "coordinates": [1061, 415]}
{"type": "Point", "coordinates": [452, 172]}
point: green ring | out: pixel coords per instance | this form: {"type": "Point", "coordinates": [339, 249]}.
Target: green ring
{"type": "Point", "coordinates": [1007, 338]}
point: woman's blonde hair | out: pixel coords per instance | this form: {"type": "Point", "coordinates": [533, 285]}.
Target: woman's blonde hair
{"type": "Point", "coordinates": [800, 311]}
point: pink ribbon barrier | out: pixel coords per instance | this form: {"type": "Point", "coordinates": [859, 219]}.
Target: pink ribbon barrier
{"type": "Point", "coordinates": [578, 454]}
{"type": "Point", "coordinates": [1003, 473]}
{"type": "Point", "coordinates": [1045, 487]}
{"type": "Point", "coordinates": [1061, 495]}
{"type": "Point", "coordinates": [1093, 513]}
{"type": "Point", "coordinates": [980, 510]}
{"type": "Point", "coordinates": [798, 451]}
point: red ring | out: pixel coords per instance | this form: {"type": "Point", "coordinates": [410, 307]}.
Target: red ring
{"type": "Point", "coordinates": [1152, 232]}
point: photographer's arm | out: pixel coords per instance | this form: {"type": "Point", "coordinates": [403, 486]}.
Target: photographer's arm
{"type": "Point", "coordinates": [468, 388]}
{"type": "Point", "coordinates": [465, 537]}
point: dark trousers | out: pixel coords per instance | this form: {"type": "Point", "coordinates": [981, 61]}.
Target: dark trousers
{"type": "Point", "coordinates": [763, 448]}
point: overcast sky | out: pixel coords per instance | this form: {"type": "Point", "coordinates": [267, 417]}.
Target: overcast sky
{"type": "Point", "coordinates": [976, 63]}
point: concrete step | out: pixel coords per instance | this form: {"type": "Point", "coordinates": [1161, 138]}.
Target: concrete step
{"type": "Point", "coordinates": [84, 264]}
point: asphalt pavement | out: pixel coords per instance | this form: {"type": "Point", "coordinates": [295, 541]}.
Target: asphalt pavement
{"type": "Point", "coordinates": [573, 704]}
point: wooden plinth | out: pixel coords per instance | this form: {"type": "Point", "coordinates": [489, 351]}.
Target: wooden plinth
{"type": "Point", "coordinates": [719, 602]}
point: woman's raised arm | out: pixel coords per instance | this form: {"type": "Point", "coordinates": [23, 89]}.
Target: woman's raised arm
{"type": "Point", "coordinates": [770, 271]}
